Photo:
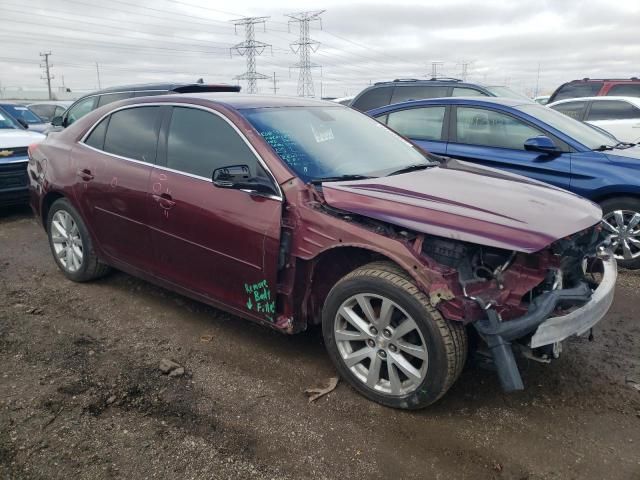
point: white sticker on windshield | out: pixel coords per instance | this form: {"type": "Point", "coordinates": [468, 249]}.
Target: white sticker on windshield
{"type": "Point", "coordinates": [20, 108]}
{"type": "Point", "coordinates": [322, 133]}
{"type": "Point", "coordinates": [2, 118]}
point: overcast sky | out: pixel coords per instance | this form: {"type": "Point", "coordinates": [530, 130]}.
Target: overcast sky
{"type": "Point", "coordinates": [361, 41]}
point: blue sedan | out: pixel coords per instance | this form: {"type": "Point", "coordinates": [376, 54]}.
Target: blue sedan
{"type": "Point", "coordinates": [537, 142]}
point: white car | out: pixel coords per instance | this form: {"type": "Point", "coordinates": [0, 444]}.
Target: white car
{"type": "Point", "coordinates": [344, 100]}
{"type": "Point", "coordinates": [620, 116]}
{"type": "Point", "coordinates": [14, 141]}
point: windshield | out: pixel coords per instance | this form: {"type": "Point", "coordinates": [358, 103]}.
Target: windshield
{"type": "Point", "coordinates": [580, 132]}
{"type": "Point", "coordinates": [7, 122]}
{"type": "Point", "coordinates": [506, 92]}
{"type": "Point", "coordinates": [23, 113]}
{"type": "Point", "coordinates": [324, 142]}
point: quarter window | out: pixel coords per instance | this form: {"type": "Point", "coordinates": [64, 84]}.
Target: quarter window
{"type": "Point", "coordinates": [476, 126]}
{"type": "Point", "coordinates": [113, 97]}
{"type": "Point", "coordinates": [571, 109]}
{"type": "Point", "coordinates": [96, 137]}
{"type": "Point", "coordinates": [418, 123]}
{"type": "Point", "coordinates": [199, 142]}
{"type": "Point", "coordinates": [612, 110]}
{"type": "Point", "coordinates": [133, 133]}
{"type": "Point", "coordinates": [80, 109]}
{"type": "Point", "coordinates": [415, 92]}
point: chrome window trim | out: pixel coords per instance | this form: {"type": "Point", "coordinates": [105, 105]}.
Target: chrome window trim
{"type": "Point", "coordinates": [280, 195]}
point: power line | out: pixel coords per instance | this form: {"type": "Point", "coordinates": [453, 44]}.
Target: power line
{"type": "Point", "coordinates": [47, 72]}
{"type": "Point", "coordinates": [250, 48]}
{"type": "Point", "coordinates": [305, 45]}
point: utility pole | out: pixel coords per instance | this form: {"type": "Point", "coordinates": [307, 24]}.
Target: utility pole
{"type": "Point", "coordinates": [98, 73]}
{"type": "Point", "coordinates": [305, 46]}
{"type": "Point", "coordinates": [275, 82]}
{"type": "Point", "coordinates": [537, 81]}
{"type": "Point", "coordinates": [251, 48]}
{"type": "Point", "coordinates": [47, 71]}
{"type": "Point", "coordinates": [434, 69]}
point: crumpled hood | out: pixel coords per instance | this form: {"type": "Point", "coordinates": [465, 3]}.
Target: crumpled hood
{"type": "Point", "coordinates": [466, 202]}
{"type": "Point", "coordinates": [12, 137]}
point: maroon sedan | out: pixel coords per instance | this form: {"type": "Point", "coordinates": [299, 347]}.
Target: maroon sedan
{"type": "Point", "coordinates": [294, 212]}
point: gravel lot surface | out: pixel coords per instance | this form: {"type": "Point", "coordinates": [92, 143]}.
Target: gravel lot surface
{"type": "Point", "coordinates": [82, 395]}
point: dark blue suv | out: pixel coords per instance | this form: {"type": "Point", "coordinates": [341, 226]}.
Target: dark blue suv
{"type": "Point", "coordinates": [537, 142]}
{"type": "Point", "coordinates": [401, 90]}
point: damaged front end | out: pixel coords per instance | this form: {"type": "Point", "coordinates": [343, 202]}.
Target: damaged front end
{"type": "Point", "coordinates": [525, 302]}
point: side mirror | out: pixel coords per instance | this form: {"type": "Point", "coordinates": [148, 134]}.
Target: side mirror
{"type": "Point", "coordinates": [542, 144]}
{"type": "Point", "coordinates": [22, 122]}
{"type": "Point", "coordinates": [238, 177]}
{"type": "Point", "coordinates": [57, 121]}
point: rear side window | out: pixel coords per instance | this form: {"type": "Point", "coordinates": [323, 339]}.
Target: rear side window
{"type": "Point", "coordinates": [418, 123]}
{"type": "Point", "coordinates": [467, 92]}
{"type": "Point", "coordinates": [418, 92]}
{"type": "Point", "coordinates": [113, 97]}
{"type": "Point", "coordinates": [577, 90]}
{"type": "Point", "coordinates": [571, 109]}
{"type": "Point", "coordinates": [612, 110]}
{"type": "Point", "coordinates": [476, 126]}
{"type": "Point", "coordinates": [374, 98]}
{"type": "Point", "coordinates": [133, 133]}
{"type": "Point", "coordinates": [96, 137]}
{"type": "Point", "coordinates": [625, 90]}
{"type": "Point", "coordinates": [199, 142]}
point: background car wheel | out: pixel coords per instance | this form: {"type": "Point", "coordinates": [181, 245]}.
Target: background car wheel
{"type": "Point", "coordinates": [621, 220]}
{"type": "Point", "coordinates": [71, 245]}
{"type": "Point", "coordinates": [387, 341]}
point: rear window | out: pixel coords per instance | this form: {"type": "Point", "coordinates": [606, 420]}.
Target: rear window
{"type": "Point", "coordinates": [374, 98]}
{"type": "Point", "coordinates": [576, 90]}
{"type": "Point", "coordinates": [625, 90]}
{"type": "Point", "coordinates": [612, 110]}
{"type": "Point", "coordinates": [133, 133]}
{"type": "Point", "coordinates": [418, 92]}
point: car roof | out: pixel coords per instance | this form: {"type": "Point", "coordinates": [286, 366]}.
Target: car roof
{"type": "Point", "coordinates": [245, 101]}
{"type": "Point", "coordinates": [478, 101]}
{"type": "Point", "coordinates": [634, 100]}
{"type": "Point", "coordinates": [162, 87]}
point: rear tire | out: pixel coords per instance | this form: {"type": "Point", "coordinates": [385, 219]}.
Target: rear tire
{"type": "Point", "coordinates": [71, 244]}
{"type": "Point", "coordinates": [407, 358]}
{"type": "Point", "coordinates": [619, 222]}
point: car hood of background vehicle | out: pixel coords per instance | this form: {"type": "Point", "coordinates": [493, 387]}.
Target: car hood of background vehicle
{"type": "Point", "coordinates": [632, 152]}
{"type": "Point", "coordinates": [12, 137]}
{"type": "Point", "coordinates": [466, 202]}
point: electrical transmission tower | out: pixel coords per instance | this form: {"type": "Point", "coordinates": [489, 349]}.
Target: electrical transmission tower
{"type": "Point", "coordinates": [305, 46]}
{"type": "Point", "coordinates": [47, 71]}
{"type": "Point", "coordinates": [464, 65]}
{"type": "Point", "coordinates": [434, 69]}
{"type": "Point", "coordinates": [250, 48]}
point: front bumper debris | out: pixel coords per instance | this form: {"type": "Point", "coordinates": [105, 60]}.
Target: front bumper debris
{"type": "Point", "coordinates": [581, 320]}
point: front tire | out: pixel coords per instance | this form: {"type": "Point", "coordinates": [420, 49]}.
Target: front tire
{"type": "Point", "coordinates": [387, 341]}
{"type": "Point", "coordinates": [621, 220]}
{"type": "Point", "coordinates": [71, 244]}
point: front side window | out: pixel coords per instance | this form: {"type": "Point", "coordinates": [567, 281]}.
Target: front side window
{"type": "Point", "coordinates": [477, 126]}
{"type": "Point", "coordinates": [113, 97]}
{"type": "Point", "coordinates": [374, 98]}
{"type": "Point", "coordinates": [571, 109]}
{"type": "Point", "coordinates": [321, 142]}
{"type": "Point", "coordinates": [199, 142]}
{"type": "Point", "coordinates": [418, 123]}
{"type": "Point", "coordinates": [133, 133]}
{"type": "Point", "coordinates": [577, 90]}
{"type": "Point", "coordinates": [612, 110]}
{"type": "Point", "coordinates": [80, 109]}
{"type": "Point", "coordinates": [418, 92]}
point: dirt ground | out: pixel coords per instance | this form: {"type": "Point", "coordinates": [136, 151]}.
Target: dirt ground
{"type": "Point", "coordinates": [81, 395]}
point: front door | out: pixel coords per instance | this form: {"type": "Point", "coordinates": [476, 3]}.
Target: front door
{"type": "Point", "coordinates": [496, 139]}
{"type": "Point", "coordinates": [113, 168]}
{"type": "Point", "coordinates": [219, 243]}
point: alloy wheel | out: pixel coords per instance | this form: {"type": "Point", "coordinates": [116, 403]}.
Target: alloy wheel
{"type": "Point", "coordinates": [66, 240]}
{"type": "Point", "coordinates": [381, 344]}
{"type": "Point", "coordinates": [623, 228]}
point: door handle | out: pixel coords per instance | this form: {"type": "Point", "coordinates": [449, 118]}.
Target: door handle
{"type": "Point", "coordinates": [164, 200]}
{"type": "Point", "coordinates": [85, 174]}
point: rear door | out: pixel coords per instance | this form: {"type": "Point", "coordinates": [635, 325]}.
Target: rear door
{"type": "Point", "coordinates": [113, 166]}
{"type": "Point", "coordinates": [496, 139]}
{"type": "Point", "coordinates": [423, 125]}
{"type": "Point", "coordinates": [219, 243]}
{"type": "Point", "coordinates": [618, 117]}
